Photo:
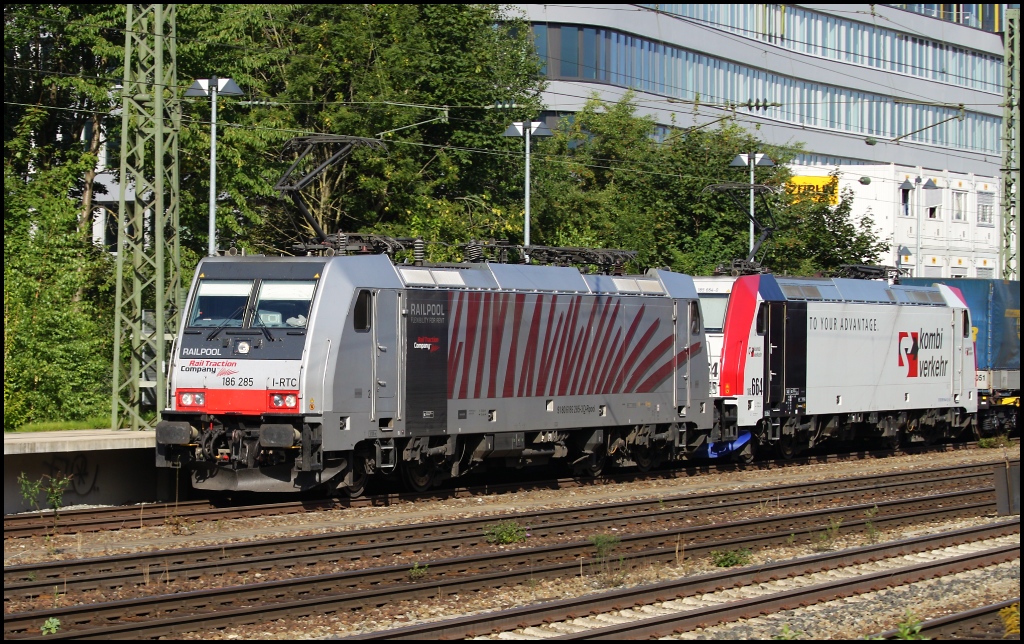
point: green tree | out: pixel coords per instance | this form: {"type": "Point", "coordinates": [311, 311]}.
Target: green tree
{"type": "Point", "coordinates": [820, 237]}
{"type": "Point", "coordinates": [610, 178]}
{"type": "Point", "coordinates": [61, 63]}
{"type": "Point", "coordinates": [57, 334]}
{"type": "Point", "coordinates": [358, 70]}
{"type": "Point", "coordinates": [66, 59]}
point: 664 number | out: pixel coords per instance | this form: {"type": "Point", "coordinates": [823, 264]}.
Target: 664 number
{"type": "Point", "coordinates": [238, 382]}
{"type": "Point", "coordinates": [756, 386]}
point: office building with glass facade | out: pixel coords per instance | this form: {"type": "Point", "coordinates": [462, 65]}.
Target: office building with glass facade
{"type": "Point", "coordinates": [904, 99]}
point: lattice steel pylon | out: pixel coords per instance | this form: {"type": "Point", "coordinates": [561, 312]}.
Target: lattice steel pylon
{"type": "Point", "coordinates": [148, 292]}
{"type": "Point", "coordinates": [1010, 255]}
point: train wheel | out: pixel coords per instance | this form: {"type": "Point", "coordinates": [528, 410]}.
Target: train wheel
{"type": "Point", "coordinates": [359, 478]}
{"type": "Point", "coordinates": [786, 446]}
{"type": "Point", "coordinates": [418, 477]}
{"type": "Point", "coordinates": [746, 455]}
{"type": "Point", "coordinates": [644, 458]}
{"type": "Point", "coordinates": [593, 466]}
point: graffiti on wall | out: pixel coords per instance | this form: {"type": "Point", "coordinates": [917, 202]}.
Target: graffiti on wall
{"type": "Point", "coordinates": [83, 473]}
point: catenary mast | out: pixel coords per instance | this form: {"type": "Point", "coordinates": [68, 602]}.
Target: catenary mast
{"type": "Point", "coordinates": [148, 292]}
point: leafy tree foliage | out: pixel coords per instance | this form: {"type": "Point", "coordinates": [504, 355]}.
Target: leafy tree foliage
{"type": "Point", "coordinates": [608, 179]}
{"type": "Point", "coordinates": [57, 335]}
{"type": "Point", "coordinates": [420, 77]}
{"type": "Point", "coordinates": [822, 237]}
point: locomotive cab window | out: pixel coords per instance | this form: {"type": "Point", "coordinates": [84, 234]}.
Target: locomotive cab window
{"type": "Point", "coordinates": [361, 314]}
{"type": "Point", "coordinates": [220, 303]}
{"type": "Point", "coordinates": [283, 304]}
{"type": "Point", "coordinates": [694, 318]}
{"type": "Point", "coordinates": [966, 324]}
{"type": "Point", "coordinates": [762, 318]}
{"type": "Point", "coordinates": [713, 306]}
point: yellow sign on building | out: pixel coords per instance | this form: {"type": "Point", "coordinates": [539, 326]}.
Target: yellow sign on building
{"type": "Point", "coordinates": [824, 189]}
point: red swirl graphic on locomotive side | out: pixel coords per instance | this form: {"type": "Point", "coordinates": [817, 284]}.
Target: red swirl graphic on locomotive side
{"type": "Point", "coordinates": [509, 345]}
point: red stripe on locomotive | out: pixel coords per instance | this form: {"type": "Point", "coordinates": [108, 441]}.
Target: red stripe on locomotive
{"type": "Point", "coordinates": [738, 319]}
{"type": "Point", "coordinates": [545, 357]}
{"type": "Point", "coordinates": [252, 402]}
{"type": "Point", "coordinates": [498, 313]}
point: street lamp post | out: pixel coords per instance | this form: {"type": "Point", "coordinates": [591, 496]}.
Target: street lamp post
{"type": "Point", "coordinates": [752, 159]}
{"type": "Point", "coordinates": [528, 129]}
{"type": "Point", "coordinates": [212, 87]}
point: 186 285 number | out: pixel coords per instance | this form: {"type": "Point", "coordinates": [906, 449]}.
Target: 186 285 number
{"type": "Point", "coordinates": [237, 382]}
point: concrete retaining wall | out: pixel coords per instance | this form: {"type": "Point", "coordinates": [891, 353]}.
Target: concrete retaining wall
{"type": "Point", "coordinates": [100, 477]}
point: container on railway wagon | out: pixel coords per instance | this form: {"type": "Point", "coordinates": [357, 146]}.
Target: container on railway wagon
{"type": "Point", "coordinates": [292, 373]}
{"type": "Point", "coordinates": [995, 330]}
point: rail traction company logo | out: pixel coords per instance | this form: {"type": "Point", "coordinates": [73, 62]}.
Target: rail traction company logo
{"type": "Point", "coordinates": [210, 366]}
{"type": "Point", "coordinates": [425, 342]}
{"type": "Point", "coordinates": [911, 343]}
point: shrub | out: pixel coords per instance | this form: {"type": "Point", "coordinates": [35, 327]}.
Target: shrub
{"type": "Point", "coordinates": [730, 558]}
{"type": "Point", "coordinates": [506, 532]}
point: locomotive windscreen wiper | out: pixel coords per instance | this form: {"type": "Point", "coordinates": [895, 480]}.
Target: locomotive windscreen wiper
{"type": "Point", "coordinates": [220, 327]}
{"type": "Point", "coordinates": [263, 326]}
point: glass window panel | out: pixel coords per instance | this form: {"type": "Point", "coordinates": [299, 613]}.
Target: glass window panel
{"type": "Point", "coordinates": [986, 207]}
{"type": "Point", "coordinates": [641, 63]}
{"type": "Point", "coordinates": [540, 43]}
{"type": "Point", "coordinates": [569, 64]}
{"type": "Point", "coordinates": [589, 62]}
{"type": "Point", "coordinates": [220, 303]}
{"type": "Point", "coordinates": [284, 304]}
{"type": "Point", "coordinates": [713, 307]}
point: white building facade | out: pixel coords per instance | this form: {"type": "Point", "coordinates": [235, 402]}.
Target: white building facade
{"type": "Point", "coordinates": [905, 100]}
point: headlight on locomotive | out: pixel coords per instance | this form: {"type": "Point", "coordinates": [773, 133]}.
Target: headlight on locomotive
{"type": "Point", "coordinates": [192, 399]}
{"type": "Point", "coordinates": [283, 401]}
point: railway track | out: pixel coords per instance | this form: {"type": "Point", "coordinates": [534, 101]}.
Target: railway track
{"type": "Point", "coordinates": [156, 514]}
{"type": "Point", "coordinates": [439, 538]}
{"type": "Point", "coordinates": [183, 612]}
{"type": "Point", "coordinates": [977, 624]}
{"type": "Point", "coordinates": [677, 606]}
{"type": "Point", "coordinates": [367, 587]}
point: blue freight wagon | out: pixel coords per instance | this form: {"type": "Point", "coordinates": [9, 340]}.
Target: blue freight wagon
{"type": "Point", "coordinates": [995, 321]}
